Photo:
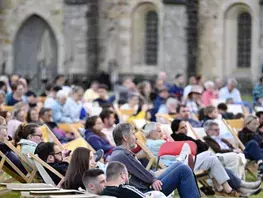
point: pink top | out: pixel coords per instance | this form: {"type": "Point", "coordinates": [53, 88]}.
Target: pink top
{"type": "Point", "coordinates": [207, 97]}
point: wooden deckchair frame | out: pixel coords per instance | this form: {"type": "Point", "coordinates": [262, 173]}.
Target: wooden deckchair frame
{"type": "Point", "coordinates": [45, 165]}
{"type": "Point", "coordinates": [17, 175]}
{"type": "Point", "coordinates": [242, 147]}
{"type": "Point", "coordinates": [31, 169]}
{"type": "Point", "coordinates": [151, 157]}
{"type": "Point", "coordinates": [236, 123]}
{"type": "Point", "coordinates": [51, 135]}
{"type": "Point", "coordinates": [70, 128]}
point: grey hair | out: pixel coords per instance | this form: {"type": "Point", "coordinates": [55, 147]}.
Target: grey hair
{"type": "Point", "coordinates": [232, 81]}
{"type": "Point", "coordinates": [171, 101]}
{"type": "Point", "coordinates": [61, 94]}
{"type": "Point", "coordinates": [208, 84]}
{"type": "Point", "coordinates": [121, 130]}
{"type": "Point", "coordinates": [208, 124]}
{"type": "Point", "coordinates": [149, 127]}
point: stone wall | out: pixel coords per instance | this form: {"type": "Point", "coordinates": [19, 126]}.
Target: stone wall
{"type": "Point", "coordinates": [12, 15]}
{"type": "Point", "coordinates": [75, 33]}
{"type": "Point", "coordinates": [215, 40]}
{"type": "Point", "coordinates": [174, 39]}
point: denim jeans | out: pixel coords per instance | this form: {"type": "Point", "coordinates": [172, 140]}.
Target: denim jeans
{"type": "Point", "coordinates": [253, 151]}
{"type": "Point", "coordinates": [179, 176]}
{"type": "Point", "coordinates": [234, 181]}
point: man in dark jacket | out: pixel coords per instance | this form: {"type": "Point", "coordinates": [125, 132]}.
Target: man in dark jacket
{"type": "Point", "coordinates": [117, 178]}
{"type": "Point", "coordinates": [232, 158]}
{"type": "Point", "coordinates": [51, 154]}
{"type": "Point", "coordinates": [176, 176]}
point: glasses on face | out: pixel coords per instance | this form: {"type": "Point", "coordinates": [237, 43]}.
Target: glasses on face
{"type": "Point", "coordinates": [58, 153]}
{"type": "Point", "coordinates": [216, 129]}
{"type": "Point", "coordinates": [39, 135]}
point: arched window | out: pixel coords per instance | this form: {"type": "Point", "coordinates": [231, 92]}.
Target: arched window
{"type": "Point", "coordinates": [244, 40]}
{"type": "Point", "coordinates": [151, 38]}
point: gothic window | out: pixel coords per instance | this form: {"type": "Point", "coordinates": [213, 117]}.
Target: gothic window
{"type": "Point", "coordinates": [244, 24]}
{"type": "Point", "coordinates": [151, 38]}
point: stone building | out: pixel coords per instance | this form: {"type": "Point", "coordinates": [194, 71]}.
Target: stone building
{"type": "Point", "coordinates": [40, 39]}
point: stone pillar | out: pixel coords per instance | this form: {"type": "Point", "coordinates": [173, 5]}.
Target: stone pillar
{"type": "Point", "coordinates": [174, 54]}
{"type": "Point", "coordinates": [192, 36]}
{"type": "Point", "coordinates": [76, 39]}
{"type": "Point", "coordinates": [92, 35]}
{"type": "Point", "coordinates": [261, 34]}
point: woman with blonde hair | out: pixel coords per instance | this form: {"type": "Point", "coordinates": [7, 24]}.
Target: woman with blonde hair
{"type": "Point", "coordinates": [252, 142]}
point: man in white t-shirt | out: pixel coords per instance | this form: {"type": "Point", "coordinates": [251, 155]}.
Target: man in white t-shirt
{"type": "Point", "coordinates": [108, 118]}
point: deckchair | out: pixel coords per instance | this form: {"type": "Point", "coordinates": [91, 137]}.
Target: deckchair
{"type": "Point", "coordinates": [251, 165]}
{"type": "Point", "coordinates": [48, 193]}
{"type": "Point", "coordinates": [74, 128]}
{"type": "Point", "coordinates": [237, 108]}
{"type": "Point", "coordinates": [124, 114]}
{"type": "Point", "coordinates": [165, 117]}
{"type": "Point", "coordinates": [12, 170]}
{"type": "Point", "coordinates": [31, 169]}
{"type": "Point", "coordinates": [49, 136]}
{"type": "Point", "coordinates": [8, 108]}
{"type": "Point", "coordinates": [141, 140]}
{"type": "Point", "coordinates": [238, 124]}
{"type": "Point", "coordinates": [41, 165]}
{"type": "Point", "coordinates": [79, 142]}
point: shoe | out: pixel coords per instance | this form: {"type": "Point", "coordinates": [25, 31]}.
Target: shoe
{"type": "Point", "coordinates": [98, 155]}
{"type": "Point", "coordinates": [260, 169]}
{"type": "Point", "coordinates": [207, 190]}
{"type": "Point", "coordinates": [251, 185]}
{"type": "Point", "coordinates": [244, 192]}
{"type": "Point", "coordinates": [185, 152]}
{"type": "Point", "coordinates": [233, 193]}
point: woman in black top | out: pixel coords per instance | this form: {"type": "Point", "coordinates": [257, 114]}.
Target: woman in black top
{"type": "Point", "coordinates": [179, 129]}
{"type": "Point", "coordinates": [81, 160]}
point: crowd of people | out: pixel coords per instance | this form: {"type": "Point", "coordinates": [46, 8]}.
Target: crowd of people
{"type": "Point", "coordinates": [112, 133]}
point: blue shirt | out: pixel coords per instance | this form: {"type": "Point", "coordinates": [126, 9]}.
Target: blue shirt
{"type": "Point", "coordinates": [225, 94]}
{"type": "Point", "coordinates": [72, 109]}
{"type": "Point", "coordinates": [58, 115]}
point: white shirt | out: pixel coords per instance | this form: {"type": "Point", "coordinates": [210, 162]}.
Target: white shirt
{"type": "Point", "coordinates": [109, 135]}
{"type": "Point", "coordinates": [225, 94]}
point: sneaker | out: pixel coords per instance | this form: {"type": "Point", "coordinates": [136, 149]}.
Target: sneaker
{"type": "Point", "coordinates": [185, 152]}
{"type": "Point", "coordinates": [251, 185]}
{"type": "Point", "coordinates": [260, 170]}
{"type": "Point", "coordinates": [247, 192]}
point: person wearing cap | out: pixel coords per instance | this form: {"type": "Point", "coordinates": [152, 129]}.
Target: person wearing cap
{"type": "Point", "coordinates": [160, 99]}
{"type": "Point", "coordinates": [193, 101]}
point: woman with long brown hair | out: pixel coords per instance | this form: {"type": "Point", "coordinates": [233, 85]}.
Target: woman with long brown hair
{"type": "Point", "coordinates": [95, 137]}
{"type": "Point", "coordinates": [82, 159]}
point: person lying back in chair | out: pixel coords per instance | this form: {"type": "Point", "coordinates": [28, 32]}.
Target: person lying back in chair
{"type": "Point", "coordinates": [52, 155]}
{"type": "Point", "coordinates": [230, 156]}
{"type": "Point", "coordinates": [6, 150]}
